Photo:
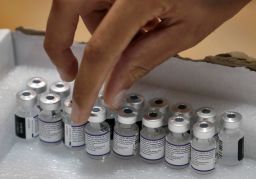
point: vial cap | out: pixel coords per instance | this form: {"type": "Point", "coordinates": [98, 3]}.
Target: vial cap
{"type": "Point", "coordinates": [26, 98]}
{"type": "Point", "coordinates": [160, 104]}
{"type": "Point", "coordinates": [61, 88]}
{"type": "Point", "coordinates": [206, 113]}
{"type": "Point", "coordinates": [98, 114]}
{"type": "Point", "coordinates": [38, 84]}
{"type": "Point", "coordinates": [184, 109]}
{"type": "Point", "coordinates": [67, 107]}
{"type": "Point", "coordinates": [203, 130]}
{"type": "Point", "coordinates": [231, 120]}
{"type": "Point", "coordinates": [153, 119]}
{"type": "Point", "coordinates": [178, 124]}
{"type": "Point", "coordinates": [50, 102]}
{"type": "Point", "coordinates": [134, 100]}
{"type": "Point", "coordinates": [127, 115]}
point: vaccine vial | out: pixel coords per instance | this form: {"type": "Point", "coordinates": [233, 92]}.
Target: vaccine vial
{"type": "Point", "coordinates": [26, 115]}
{"type": "Point", "coordinates": [39, 85]}
{"type": "Point", "coordinates": [50, 119]}
{"type": "Point", "coordinates": [177, 146]}
{"type": "Point", "coordinates": [186, 110]}
{"type": "Point", "coordinates": [231, 139]}
{"type": "Point", "coordinates": [126, 133]}
{"type": "Point", "coordinates": [152, 137]}
{"type": "Point", "coordinates": [97, 134]}
{"type": "Point", "coordinates": [203, 148]}
{"type": "Point", "coordinates": [161, 105]}
{"type": "Point", "coordinates": [73, 134]}
{"type": "Point", "coordinates": [62, 89]}
{"type": "Point", "coordinates": [136, 101]}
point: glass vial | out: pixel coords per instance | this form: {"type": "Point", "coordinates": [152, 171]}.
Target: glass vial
{"type": "Point", "coordinates": [39, 85]}
{"type": "Point", "coordinates": [136, 101]}
{"type": "Point", "coordinates": [152, 137]}
{"type": "Point", "coordinates": [97, 134]}
{"type": "Point", "coordinates": [177, 146]}
{"type": "Point", "coordinates": [73, 134]}
{"type": "Point", "coordinates": [62, 89]}
{"type": "Point", "coordinates": [203, 148]}
{"type": "Point", "coordinates": [161, 105]}
{"type": "Point", "coordinates": [231, 139]}
{"type": "Point", "coordinates": [186, 110]}
{"type": "Point", "coordinates": [26, 115]}
{"type": "Point", "coordinates": [50, 119]}
{"type": "Point", "coordinates": [126, 133]}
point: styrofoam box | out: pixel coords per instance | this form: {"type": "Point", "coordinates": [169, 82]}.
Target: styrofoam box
{"type": "Point", "coordinates": [201, 84]}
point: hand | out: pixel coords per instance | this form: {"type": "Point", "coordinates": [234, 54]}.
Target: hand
{"type": "Point", "coordinates": [117, 52]}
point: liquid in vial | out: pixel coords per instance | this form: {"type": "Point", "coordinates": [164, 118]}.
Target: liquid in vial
{"type": "Point", "coordinates": [39, 85]}
{"type": "Point", "coordinates": [126, 133]}
{"type": "Point", "coordinates": [73, 134]}
{"type": "Point", "coordinates": [136, 101]}
{"type": "Point", "coordinates": [97, 134]}
{"type": "Point", "coordinates": [26, 115]}
{"type": "Point", "coordinates": [177, 146]}
{"type": "Point", "coordinates": [152, 137]}
{"type": "Point", "coordinates": [50, 119]}
{"type": "Point", "coordinates": [203, 148]}
{"type": "Point", "coordinates": [62, 89]}
{"type": "Point", "coordinates": [161, 105]}
{"type": "Point", "coordinates": [231, 139]}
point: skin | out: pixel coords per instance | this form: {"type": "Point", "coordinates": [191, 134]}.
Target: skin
{"type": "Point", "coordinates": [118, 53]}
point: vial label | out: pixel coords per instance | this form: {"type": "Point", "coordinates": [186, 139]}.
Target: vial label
{"type": "Point", "coordinates": [74, 136]}
{"type": "Point", "coordinates": [51, 132]}
{"type": "Point", "coordinates": [177, 155]}
{"type": "Point", "coordinates": [26, 128]}
{"type": "Point", "coordinates": [203, 161]}
{"type": "Point", "coordinates": [152, 149]}
{"type": "Point", "coordinates": [125, 145]}
{"type": "Point", "coordinates": [97, 145]}
{"type": "Point", "coordinates": [241, 149]}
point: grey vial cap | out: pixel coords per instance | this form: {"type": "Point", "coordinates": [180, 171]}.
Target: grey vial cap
{"type": "Point", "coordinates": [231, 120]}
{"type": "Point", "coordinates": [67, 107]}
{"type": "Point", "coordinates": [203, 130]}
{"type": "Point", "coordinates": [134, 100]}
{"type": "Point", "coordinates": [61, 88]}
{"type": "Point", "coordinates": [26, 98]}
{"type": "Point", "coordinates": [127, 115]}
{"type": "Point", "coordinates": [178, 124]}
{"type": "Point", "coordinates": [182, 109]}
{"type": "Point", "coordinates": [153, 119]}
{"type": "Point", "coordinates": [38, 84]}
{"type": "Point", "coordinates": [98, 114]}
{"type": "Point", "coordinates": [159, 104]}
{"type": "Point", "coordinates": [206, 113]}
{"type": "Point", "coordinates": [50, 102]}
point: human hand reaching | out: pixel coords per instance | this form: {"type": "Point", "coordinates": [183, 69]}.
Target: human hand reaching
{"type": "Point", "coordinates": [118, 52]}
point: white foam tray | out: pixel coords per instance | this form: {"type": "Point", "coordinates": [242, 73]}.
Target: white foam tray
{"type": "Point", "coordinates": [200, 84]}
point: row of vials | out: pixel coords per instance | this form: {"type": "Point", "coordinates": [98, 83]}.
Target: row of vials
{"type": "Point", "coordinates": [154, 131]}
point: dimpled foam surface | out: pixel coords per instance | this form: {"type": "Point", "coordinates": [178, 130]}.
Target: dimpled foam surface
{"type": "Point", "coordinates": [34, 160]}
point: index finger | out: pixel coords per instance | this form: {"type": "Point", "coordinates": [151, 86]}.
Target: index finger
{"type": "Point", "coordinates": [112, 36]}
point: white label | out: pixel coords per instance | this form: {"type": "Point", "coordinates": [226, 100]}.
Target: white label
{"type": "Point", "coordinates": [31, 127]}
{"type": "Point", "coordinates": [97, 144]}
{"type": "Point", "coordinates": [203, 160]}
{"type": "Point", "coordinates": [74, 135]}
{"type": "Point", "coordinates": [152, 149]}
{"type": "Point", "coordinates": [178, 155]}
{"type": "Point", "coordinates": [125, 145]}
{"type": "Point", "coordinates": [51, 131]}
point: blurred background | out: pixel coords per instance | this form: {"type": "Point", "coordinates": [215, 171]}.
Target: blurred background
{"type": "Point", "coordinates": [238, 34]}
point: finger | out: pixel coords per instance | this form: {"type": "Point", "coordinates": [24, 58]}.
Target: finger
{"type": "Point", "coordinates": [104, 49]}
{"type": "Point", "coordinates": [61, 26]}
{"type": "Point", "coordinates": [143, 56]}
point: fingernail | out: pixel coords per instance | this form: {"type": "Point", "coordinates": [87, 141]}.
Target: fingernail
{"type": "Point", "coordinates": [76, 113]}
{"type": "Point", "coordinates": [118, 99]}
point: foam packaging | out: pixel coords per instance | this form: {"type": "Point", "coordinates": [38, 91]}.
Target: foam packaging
{"type": "Point", "coordinates": [201, 84]}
